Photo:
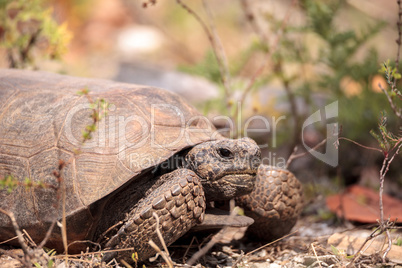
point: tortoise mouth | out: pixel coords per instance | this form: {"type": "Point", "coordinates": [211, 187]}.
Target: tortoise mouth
{"type": "Point", "coordinates": [238, 174]}
{"type": "Point", "coordinates": [230, 186]}
{"type": "Point", "coordinates": [244, 180]}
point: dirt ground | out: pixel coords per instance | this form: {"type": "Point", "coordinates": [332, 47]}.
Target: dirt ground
{"type": "Point", "coordinates": [311, 243]}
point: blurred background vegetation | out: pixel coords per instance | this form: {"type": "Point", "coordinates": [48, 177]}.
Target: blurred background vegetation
{"type": "Point", "coordinates": [267, 58]}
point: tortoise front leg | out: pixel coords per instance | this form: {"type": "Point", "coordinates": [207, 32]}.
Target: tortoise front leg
{"type": "Point", "coordinates": [275, 203]}
{"type": "Point", "coordinates": [179, 204]}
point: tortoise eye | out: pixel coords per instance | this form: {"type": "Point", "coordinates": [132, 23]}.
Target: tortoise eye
{"type": "Point", "coordinates": [225, 153]}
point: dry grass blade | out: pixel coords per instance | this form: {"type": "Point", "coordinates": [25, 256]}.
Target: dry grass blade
{"type": "Point", "coordinates": [270, 243]}
{"type": "Point", "coordinates": [194, 239]}
{"type": "Point", "coordinates": [95, 253]}
{"type": "Point", "coordinates": [315, 254]}
{"type": "Point", "coordinates": [126, 264]}
{"type": "Point", "coordinates": [165, 255]}
{"type": "Point", "coordinates": [266, 245]}
{"type": "Point", "coordinates": [215, 239]}
{"type": "Point", "coordinates": [160, 252]}
{"type": "Point", "coordinates": [29, 239]}
{"type": "Point", "coordinates": [158, 232]}
{"type": "Point", "coordinates": [8, 240]}
{"type": "Point", "coordinates": [108, 230]}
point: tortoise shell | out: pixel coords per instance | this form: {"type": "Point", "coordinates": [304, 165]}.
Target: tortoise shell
{"type": "Point", "coordinates": [41, 122]}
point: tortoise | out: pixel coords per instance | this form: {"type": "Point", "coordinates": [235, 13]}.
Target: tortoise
{"type": "Point", "coordinates": [152, 157]}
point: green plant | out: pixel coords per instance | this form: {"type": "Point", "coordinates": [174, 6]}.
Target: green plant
{"type": "Point", "coordinates": [390, 143]}
{"type": "Point", "coordinates": [9, 182]}
{"type": "Point", "coordinates": [28, 29]}
{"type": "Point", "coordinates": [310, 60]}
{"type": "Point", "coordinates": [98, 111]}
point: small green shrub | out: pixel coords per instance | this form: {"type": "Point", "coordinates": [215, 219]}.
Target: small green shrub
{"type": "Point", "coordinates": [28, 31]}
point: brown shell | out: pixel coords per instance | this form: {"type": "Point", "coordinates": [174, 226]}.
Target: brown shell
{"type": "Point", "coordinates": [41, 122]}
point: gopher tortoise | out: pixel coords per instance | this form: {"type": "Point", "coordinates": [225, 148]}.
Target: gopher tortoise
{"type": "Point", "coordinates": [151, 154]}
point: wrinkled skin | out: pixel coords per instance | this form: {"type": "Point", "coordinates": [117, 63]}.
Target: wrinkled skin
{"type": "Point", "coordinates": [225, 169]}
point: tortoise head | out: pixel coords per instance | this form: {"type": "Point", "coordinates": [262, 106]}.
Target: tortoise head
{"type": "Point", "coordinates": [227, 168]}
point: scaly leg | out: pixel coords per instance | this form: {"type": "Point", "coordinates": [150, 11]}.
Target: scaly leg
{"type": "Point", "coordinates": [275, 203]}
{"type": "Point", "coordinates": [179, 204]}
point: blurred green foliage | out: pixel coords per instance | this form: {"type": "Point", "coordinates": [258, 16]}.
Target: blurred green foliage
{"type": "Point", "coordinates": [386, 138]}
{"type": "Point", "coordinates": [207, 67]}
{"type": "Point", "coordinates": [315, 62]}
{"type": "Point", "coordinates": [28, 30]}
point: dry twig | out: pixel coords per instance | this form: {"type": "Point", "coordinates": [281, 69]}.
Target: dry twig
{"type": "Point", "coordinates": [250, 17]}
{"type": "Point", "coordinates": [217, 49]}
{"type": "Point", "coordinates": [399, 26]}
{"type": "Point", "coordinates": [315, 254]}
{"type": "Point", "coordinates": [165, 254]}
{"type": "Point", "coordinates": [215, 239]}
{"type": "Point", "coordinates": [294, 156]}
{"type": "Point", "coordinates": [267, 58]}
{"type": "Point", "coordinates": [28, 256]}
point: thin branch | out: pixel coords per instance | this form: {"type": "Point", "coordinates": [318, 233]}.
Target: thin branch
{"type": "Point", "coordinates": [215, 48]}
{"type": "Point", "coordinates": [361, 145]}
{"type": "Point", "coordinates": [384, 170]}
{"type": "Point", "coordinates": [293, 110]}
{"type": "Point", "coordinates": [25, 52]}
{"type": "Point", "coordinates": [295, 156]}
{"type": "Point", "coordinates": [215, 239]}
{"type": "Point", "coordinates": [268, 56]}
{"type": "Point", "coordinates": [29, 239]}
{"type": "Point", "coordinates": [158, 232]}
{"type": "Point", "coordinates": [358, 253]}
{"type": "Point", "coordinates": [235, 264]}
{"type": "Point", "coordinates": [94, 253]}
{"type": "Point", "coordinates": [25, 249]}
{"type": "Point", "coordinates": [396, 110]}
{"type": "Point", "coordinates": [270, 243]}
{"type": "Point", "coordinates": [12, 62]}
{"type": "Point", "coordinates": [8, 240]}
{"type": "Point", "coordinates": [398, 41]}
{"type": "Point", "coordinates": [85, 242]}
{"type": "Point", "coordinates": [219, 46]}
{"type": "Point", "coordinates": [389, 245]}
{"type": "Point", "coordinates": [108, 230]}
{"type": "Point", "coordinates": [250, 17]}
{"type": "Point", "coordinates": [48, 233]}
